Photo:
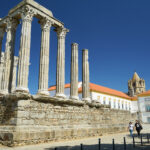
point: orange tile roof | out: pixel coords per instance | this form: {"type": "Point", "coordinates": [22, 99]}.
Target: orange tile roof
{"type": "Point", "coordinates": [134, 98]}
{"type": "Point", "coordinates": [147, 93]}
{"type": "Point", "coordinates": [100, 89]}
{"type": "Point", "coordinates": [54, 87]}
{"type": "Point", "coordinates": [105, 90]}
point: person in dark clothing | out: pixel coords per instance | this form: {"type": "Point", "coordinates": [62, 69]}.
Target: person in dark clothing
{"type": "Point", "coordinates": [138, 127]}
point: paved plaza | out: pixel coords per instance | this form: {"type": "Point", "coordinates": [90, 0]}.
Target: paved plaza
{"type": "Point", "coordinates": [92, 143]}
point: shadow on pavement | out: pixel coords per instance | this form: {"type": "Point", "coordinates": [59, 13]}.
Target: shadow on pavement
{"type": "Point", "coordinates": [144, 135]}
{"type": "Point", "coordinates": [145, 145]}
{"type": "Point", "coordinates": [103, 147]}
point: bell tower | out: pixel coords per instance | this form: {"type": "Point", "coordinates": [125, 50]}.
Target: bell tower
{"type": "Point", "coordinates": [136, 85]}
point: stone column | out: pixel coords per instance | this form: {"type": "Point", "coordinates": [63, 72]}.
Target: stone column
{"type": "Point", "coordinates": [9, 54]}
{"type": "Point", "coordinates": [85, 77]}
{"type": "Point", "coordinates": [1, 69]}
{"type": "Point", "coordinates": [44, 57]}
{"type": "Point", "coordinates": [24, 52]}
{"type": "Point", "coordinates": [74, 72]}
{"type": "Point", "coordinates": [2, 32]}
{"type": "Point", "coordinates": [13, 85]}
{"type": "Point", "coordinates": [60, 79]}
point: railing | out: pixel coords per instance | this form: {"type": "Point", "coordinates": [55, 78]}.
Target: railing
{"type": "Point", "coordinates": [113, 147]}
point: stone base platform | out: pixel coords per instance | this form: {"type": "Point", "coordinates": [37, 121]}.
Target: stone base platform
{"type": "Point", "coordinates": [15, 138]}
{"type": "Point", "coordinates": [26, 119]}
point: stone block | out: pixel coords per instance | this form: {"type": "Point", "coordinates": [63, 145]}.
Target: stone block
{"type": "Point", "coordinates": [41, 122]}
{"type": "Point", "coordinates": [27, 122]}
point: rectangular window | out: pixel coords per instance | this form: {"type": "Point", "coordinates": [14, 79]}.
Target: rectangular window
{"type": "Point", "coordinates": [114, 104]}
{"type": "Point", "coordinates": [147, 99]}
{"type": "Point", "coordinates": [119, 105]}
{"type": "Point", "coordinates": [148, 119]}
{"type": "Point", "coordinates": [122, 106]}
{"type": "Point", "coordinates": [104, 100]}
{"type": "Point", "coordinates": [147, 108]}
{"type": "Point", "coordinates": [109, 103]}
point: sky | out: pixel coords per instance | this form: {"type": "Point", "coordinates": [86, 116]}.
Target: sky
{"type": "Point", "coordinates": [116, 33]}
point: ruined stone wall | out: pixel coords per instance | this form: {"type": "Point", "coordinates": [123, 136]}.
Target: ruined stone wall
{"type": "Point", "coordinates": [8, 112]}
{"type": "Point", "coordinates": [56, 115]}
{"type": "Point", "coordinates": [38, 122]}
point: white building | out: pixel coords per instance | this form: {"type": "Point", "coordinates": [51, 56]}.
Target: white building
{"type": "Point", "coordinates": [116, 99]}
{"type": "Point", "coordinates": [144, 106]}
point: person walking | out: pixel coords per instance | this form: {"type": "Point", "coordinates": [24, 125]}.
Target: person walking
{"type": "Point", "coordinates": [138, 127]}
{"type": "Point", "coordinates": [131, 128]}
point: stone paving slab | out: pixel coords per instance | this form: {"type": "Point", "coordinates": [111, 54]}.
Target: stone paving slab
{"type": "Point", "coordinates": [92, 143]}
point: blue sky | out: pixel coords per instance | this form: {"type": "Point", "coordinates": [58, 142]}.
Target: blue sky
{"type": "Point", "coordinates": [116, 32]}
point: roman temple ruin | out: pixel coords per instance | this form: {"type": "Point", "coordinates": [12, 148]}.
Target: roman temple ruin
{"type": "Point", "coordinates": [28, 119]}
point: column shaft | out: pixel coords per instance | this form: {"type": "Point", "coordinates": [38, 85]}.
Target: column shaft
{"type": "Point", "coordinates": [1, 69]}
{"type": "Point", "coordinates": [85, 77]}
{"type": "Point", "coordinates": [24, 53]}
{"type": "Point", "coordinates": [74, 72]}
{"type": "Point", "coordinates": [60, 79]}
{"type": "Point", "coordinates": [2, 32]}
{"type": "Point", "coordinates": [9, 54]}
{"type": "Point", "coordinates": [13, 85]}
{"type": "Point", "coordinates": [44, 57]}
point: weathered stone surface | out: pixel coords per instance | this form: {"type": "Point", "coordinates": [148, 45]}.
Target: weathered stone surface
{"type": "Point", "coordinates": [2, 32]}
{"type": "Point", "coordinates": [24, 53]}
{"type": "Point", "coordinates": [85, 77]}
{"type": "Point", "coordinates": [44, 57]}
{"type": "Point", "coordinates": [136, 85]}
{"type": "Point", "coordinates": [60, 75]}
{"type": "Point", "coordinates": [14, 73]}
{"type": "Point", "coordinates": [74, 72]}
{"type": "Point", "coordinates": [7, 75]}
{"type": "Point", "coordinates": [36, 121]}
{"type": "Point", "coordinates": [26, 119]}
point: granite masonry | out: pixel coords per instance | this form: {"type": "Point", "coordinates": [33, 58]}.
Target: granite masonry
{"type": "Point", "coordinates": [36, 119]}
{"type": "Point", "coordinates": [28, 119]}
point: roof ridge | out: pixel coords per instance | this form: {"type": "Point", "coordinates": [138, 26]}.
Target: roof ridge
{"type": "Point", "coordinates": [99, 88]}
{"type": "Point", "coordinates": [108, 88]}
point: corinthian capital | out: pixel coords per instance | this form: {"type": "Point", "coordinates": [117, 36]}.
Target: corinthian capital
{"type": "Point", "coordinates": [27, 13]}
{"type": "Point", "coordinates": [11, 23]}
{"type": "Point", "coordinates": [45, 24]}
{"type": "Point", "coordinates": [61, 32]}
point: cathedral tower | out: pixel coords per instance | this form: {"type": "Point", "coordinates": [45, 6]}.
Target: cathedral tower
{"type": "Point", "coordinates": [136, 85]}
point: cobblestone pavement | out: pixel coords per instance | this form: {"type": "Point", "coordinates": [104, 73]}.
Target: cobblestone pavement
{"type": "Point", "coordinates": [92, 143]}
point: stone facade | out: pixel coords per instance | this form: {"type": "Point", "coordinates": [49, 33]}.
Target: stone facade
{"type": "Point", "coordinates": [37, 119]}
{"type": "Point", "coordinates": [136, 85]}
